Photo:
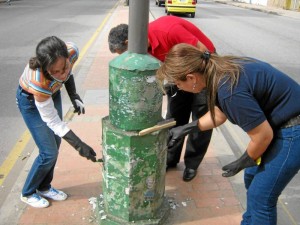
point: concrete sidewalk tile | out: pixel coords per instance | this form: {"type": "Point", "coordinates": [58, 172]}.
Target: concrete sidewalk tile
{"type": "Point", "coordinates": [209, 197]}
{"type": "Point", "coordinates": [205, 186]}
{"type": "Point", "coordinates": [226, 220]}
{"type": "Point", "coordinates": [208, 202]}
{"type": "Point", "coordinates": [97, 75]}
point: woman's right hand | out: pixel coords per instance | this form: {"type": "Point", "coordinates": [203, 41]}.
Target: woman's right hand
{"type": "Point", "coordinates": [177, 133]}
{"type": "Point", "coordinates": [83, 149]}
{"type": "Point", "coordinates": [87, 152]}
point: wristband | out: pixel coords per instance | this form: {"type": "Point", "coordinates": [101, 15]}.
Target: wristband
{"type": "Point", "coordinates": [258, 161]}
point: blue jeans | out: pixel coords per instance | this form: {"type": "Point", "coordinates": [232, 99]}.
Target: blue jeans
{"type": "Point", "coordinates": [264, 184]}
{"type": "Point", "coordinates": [41, 172]}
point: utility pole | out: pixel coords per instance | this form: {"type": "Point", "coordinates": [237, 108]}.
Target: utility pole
{"type": "Point", "coordinates": [138, 26]}
{"type": "Point", "coordinates": [134, 166]}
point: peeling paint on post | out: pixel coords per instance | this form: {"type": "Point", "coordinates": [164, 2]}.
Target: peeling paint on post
{"type": "Point", "coordinates": [134, 167]}
{"type": "Point", "coordinates": [135, 99]}
{"type": "Point", "coordinates": [133, 176]}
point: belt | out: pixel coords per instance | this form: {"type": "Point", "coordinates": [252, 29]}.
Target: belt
{"type": "Point", "coordinates": [29, 95]}
{"type": "Point", "coordinates": [291, 122]}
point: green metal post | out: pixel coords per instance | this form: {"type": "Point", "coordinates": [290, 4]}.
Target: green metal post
{"type": "Point", "coordinates": [133, 177]}
{"type": "Point", "coordinates": [135, 100]}
{"type": "Point", "coordinates": [134, 166]}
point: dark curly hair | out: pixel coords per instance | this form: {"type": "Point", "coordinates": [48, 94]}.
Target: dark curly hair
{"type": "Point", "coordinates": [117, 38]}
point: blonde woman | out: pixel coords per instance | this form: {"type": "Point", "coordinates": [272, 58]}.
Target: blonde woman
{"type": "Point", "coordinates": [261, 100]}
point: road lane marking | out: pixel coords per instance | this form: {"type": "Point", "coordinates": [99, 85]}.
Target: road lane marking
{"type": "Point", "coordinates": [13, 156]}
{"type": "Point", "coordinates": [285, 209]}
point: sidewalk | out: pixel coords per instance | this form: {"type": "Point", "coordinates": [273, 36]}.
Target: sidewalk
{"type": "Point", "coordinates": [208, 199]}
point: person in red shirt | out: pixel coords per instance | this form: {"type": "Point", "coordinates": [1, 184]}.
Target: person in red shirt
{"type": "Point", "coordinates": [163, 34]}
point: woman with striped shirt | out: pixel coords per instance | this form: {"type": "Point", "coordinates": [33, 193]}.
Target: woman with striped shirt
{"type": "Point", "coordinates": [39, 101]}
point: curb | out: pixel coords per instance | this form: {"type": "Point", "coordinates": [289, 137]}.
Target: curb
{"type": "Point", "coordinates": [264, 9]}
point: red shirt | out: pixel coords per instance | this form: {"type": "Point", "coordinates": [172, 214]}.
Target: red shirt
{"type": "Point", "coordinates": [167, 31]}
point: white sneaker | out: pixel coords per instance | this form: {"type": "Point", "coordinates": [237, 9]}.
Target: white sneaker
{"type": "Point", "coordinates": [35, 201]}
{"type": "Point", "coordinates": [53, 194]}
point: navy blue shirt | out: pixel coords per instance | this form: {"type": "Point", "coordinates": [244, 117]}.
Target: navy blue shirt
{"type": "Point", "coordinates": [262, 93]}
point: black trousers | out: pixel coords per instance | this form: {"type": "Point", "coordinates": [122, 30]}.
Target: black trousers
{"type": "Point", "coordinates": [180, 106]}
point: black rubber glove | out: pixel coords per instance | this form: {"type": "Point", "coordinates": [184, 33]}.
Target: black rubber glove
{"type": "Point", "coordinates": [233, 168]}
{"type": "Point", "coordinates": [74, 97]}
{"type": "Point", "coordinates": [176, 133]}
{"type": "Point", "coordinates": [83, 149]}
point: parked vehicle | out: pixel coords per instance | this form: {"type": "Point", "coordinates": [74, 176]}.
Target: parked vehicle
{"type": "Point", "coordinates": [181, 6]}
{"type": "Point", "coordinates": [159, 2]}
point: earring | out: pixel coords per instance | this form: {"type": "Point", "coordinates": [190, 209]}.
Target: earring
{"type": "Point", "coordinates": [194, 86]}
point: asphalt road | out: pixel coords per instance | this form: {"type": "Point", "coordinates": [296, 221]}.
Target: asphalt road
{"type": "Point", "coordinates": [245, 32]}
{"type": "Point", "coordinates": [268, 37]}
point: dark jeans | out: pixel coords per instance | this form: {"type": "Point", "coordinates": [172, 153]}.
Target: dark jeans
{"type": "Point", "coordinates": [180, 106]}
{"type": "Point", "coordinates": [41, 172]}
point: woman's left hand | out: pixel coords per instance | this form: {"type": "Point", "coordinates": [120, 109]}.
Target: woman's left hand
{"type": "Point", "coordinates": [236, 166]}
{"type": "Point", "coordinates": [75, 98]}
{"type": "Point", "coordinates": [78, 105]}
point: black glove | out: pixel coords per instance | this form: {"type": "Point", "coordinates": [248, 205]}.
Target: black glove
{"type": "Point", "coordinates": [74, 97]}
{"type": "Point", "coordinates": [83, 149]}
{"type": "Point", "coordinates": [176, 133]}
{"type": "Point", "coordinates": [243, 162]}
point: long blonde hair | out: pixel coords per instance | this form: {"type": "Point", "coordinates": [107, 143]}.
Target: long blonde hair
{"type": "Point", "coordinates": [185, 59]}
